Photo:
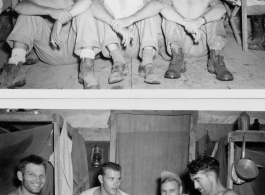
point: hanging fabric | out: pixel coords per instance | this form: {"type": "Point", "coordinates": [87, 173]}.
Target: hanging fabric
{"type": "Point", "coordinates": [66, 169]}
{"type": "Point", "coordinates": [17, 145]}
{"type": "Point", "coordinates": [149, 144]}
{"type": "Point", "coordinates": [220, 155]}
{"type": "Point", "coordinates": [79, 160]}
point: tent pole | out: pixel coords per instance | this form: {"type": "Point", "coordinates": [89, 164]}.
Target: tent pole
{"type": "Point", "coordinates": [56, 157]}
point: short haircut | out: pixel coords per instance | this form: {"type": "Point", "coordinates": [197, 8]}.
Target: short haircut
{"type": "Point", "coordinates": [34, 159]}
{"type": "Point", "coordinates": [109, 165]}
{"type": "Point", "coordinates": [203, 163]}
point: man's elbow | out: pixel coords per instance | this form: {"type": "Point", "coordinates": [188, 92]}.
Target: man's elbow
{"type": "Point", "coordinates": [18, 8]}
{"type": "Point", "coordinates": [223, 10]}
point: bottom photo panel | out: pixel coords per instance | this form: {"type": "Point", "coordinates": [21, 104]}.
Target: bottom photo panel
{"type": "Point", "coordinates": [130, 152]}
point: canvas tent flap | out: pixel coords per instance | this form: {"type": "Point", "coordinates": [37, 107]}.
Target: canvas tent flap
{"type": "Point", "coordinates": [146, 146]}
{"type": "Point", "coordinates": [17, 145]}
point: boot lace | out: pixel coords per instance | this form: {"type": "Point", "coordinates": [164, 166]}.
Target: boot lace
{"type": "Point", "coordinates": [176, 58]}
{"type": "Point", "coordinates": [221, 62]}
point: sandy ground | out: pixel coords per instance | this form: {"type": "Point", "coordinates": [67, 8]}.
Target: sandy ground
{"type": "Point", "coordinates": [247, 67]}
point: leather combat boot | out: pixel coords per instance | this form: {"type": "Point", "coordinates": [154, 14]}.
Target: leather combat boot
{"type": "Point", "coordinates": [258, 40]}
{"type": "Point", "coordinates": [176, 65]}
{"type": "Point", "coordinates": [148, 72]}
{"type": "Point", "coordinates": [216, 66]}
{"type": "Point", "coordinates": [86, 74]}
{"type": "Point", "coordinates": [119, 72]}
{"type": "Point", "coordinates": [12, 76]}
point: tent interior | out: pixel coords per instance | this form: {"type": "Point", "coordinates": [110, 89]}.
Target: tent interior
{"type": "Point", "coordinates": [144, 143]}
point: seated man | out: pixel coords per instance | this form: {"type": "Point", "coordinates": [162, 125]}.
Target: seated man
{"type": "Point", "coordinates": [129, 29]}
{"type": "Point", "coordinates": [190, 27]}
{"type": "Point", "coordinates": [170, 184]}
{"type": "Point", "coordinates": [204, 172]}
{"type": "Point", "coordinates": [32, 175]}
{"type": "Point", "coordinates": [109, 177]}
{"type": "Point", "coordinates": [59, 31]}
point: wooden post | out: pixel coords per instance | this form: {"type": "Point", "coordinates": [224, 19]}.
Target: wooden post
{"type": "Point", "coordinates": [192, 144]}
{"type": "Point", "coordinates": [244, 25]}
{"type": "Point", "coordinates": [113, 137]}
{"type": "Point", "coordinates": [231, 158]}
{"type": "Point", "coordinates": [56, 156]}
{"type": "Point", "coordinates": [231, 19]}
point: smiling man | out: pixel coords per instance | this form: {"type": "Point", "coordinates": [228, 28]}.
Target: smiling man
{"type": "Point", "coordinates": [109, 178]}
{"type": "Point", "coordinates": [32, 175]}
{"type": "Point", "coordinates": [204, 172]}
{"type": "Point", "coordinates": [170, 184]}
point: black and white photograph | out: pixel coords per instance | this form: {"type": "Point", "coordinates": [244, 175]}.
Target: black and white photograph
{"type": "Point", "coordinates": [153, 152]}
{"type": "Point", "coordinates": [189, 118]}
{"type": "Point", "coordinates": [132, 44]}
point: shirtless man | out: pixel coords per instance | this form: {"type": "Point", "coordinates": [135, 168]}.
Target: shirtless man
{"type": "Point", "coordinates": [59, 30]}
{"type": "Point", "coordinates": [109, 177]}
{"type": "Point", "coordinates": [129, 28]}
{"type": "Point", "coordinates": [190, 28]}
{"type": "Point", "coordinates": [204, 173]}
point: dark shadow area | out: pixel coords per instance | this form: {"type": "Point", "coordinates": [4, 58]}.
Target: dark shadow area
{"type": "Point", "coordinates": [93, 171]}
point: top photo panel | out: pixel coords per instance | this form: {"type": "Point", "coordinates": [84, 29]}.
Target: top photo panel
{"type": "Point", "coordinates": [132, 44]}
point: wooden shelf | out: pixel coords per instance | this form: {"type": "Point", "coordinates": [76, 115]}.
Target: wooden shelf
{"type": "Point", "coordinates": [250, 136]}
{"type": "Point", "coordinates": [26, 117]}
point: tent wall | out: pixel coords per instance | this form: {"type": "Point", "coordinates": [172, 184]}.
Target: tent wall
{"type": "Point", "coordinates": [38, 117]}
{"type": "Point", "coordinates": [215, 131]}
{"type": "Point", "coordinates": [148, 143]}
{"type": "Point", "coordinates": [15, 146]}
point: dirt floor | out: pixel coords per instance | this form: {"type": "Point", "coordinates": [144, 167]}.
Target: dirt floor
{"type": "Point", "coordinates": [248, 69]}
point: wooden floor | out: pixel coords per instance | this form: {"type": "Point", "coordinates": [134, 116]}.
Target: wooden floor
{"type": "Point", "coordinates": [248, 70]}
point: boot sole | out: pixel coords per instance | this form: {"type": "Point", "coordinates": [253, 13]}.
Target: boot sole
{"type": "Point", "coordinates": [125, 74]}
{"type": "Point", "coordinates": [82, 82]}
{"type": "Point", "coordinates": [17, 84]}
{"type": "Point", "coordinates": [173, 77]}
